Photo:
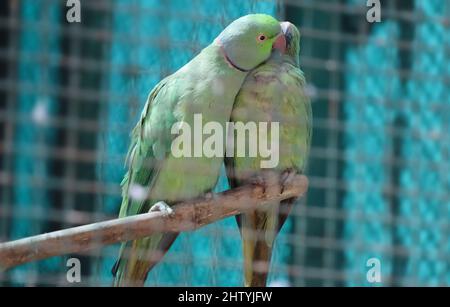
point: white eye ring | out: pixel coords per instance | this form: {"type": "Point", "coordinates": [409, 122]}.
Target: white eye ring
{"type": "Point", "coordinates": [261, 38]}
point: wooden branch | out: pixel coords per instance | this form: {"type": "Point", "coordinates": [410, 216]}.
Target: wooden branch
{"type": "Point", "coordinates": [188, 215]}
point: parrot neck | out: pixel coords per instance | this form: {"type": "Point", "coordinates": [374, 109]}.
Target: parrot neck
{"type": "Point", "coordinates": [294, 60]}
{"type": "Point", "coordinates": [227, 58]}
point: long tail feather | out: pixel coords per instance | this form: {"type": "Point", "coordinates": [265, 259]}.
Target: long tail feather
{"type": "Point", "coordinates": [259, 229]}
{"type": "Point", "coordinates": [139, 257]}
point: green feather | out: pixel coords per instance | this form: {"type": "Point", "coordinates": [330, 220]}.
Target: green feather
{"type": "Point", "coordinates": [189, 91]}
{"type": "Point", "coordinates": [273, 92]}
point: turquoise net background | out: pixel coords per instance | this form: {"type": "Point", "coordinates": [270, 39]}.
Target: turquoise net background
{"type": "Point", "coordinates": [379, 168]}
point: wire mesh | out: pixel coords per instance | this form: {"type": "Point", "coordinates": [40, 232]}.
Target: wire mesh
{"type": "Point", "coordinates": [70, 93]}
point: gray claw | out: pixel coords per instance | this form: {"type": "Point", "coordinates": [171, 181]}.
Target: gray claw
{"type": "Point", "coordinates": [161, 206]}
{"type": "Point", "coordinates": [209, 195]}
{"type": "Point", "coordinates": [259, 181]}
{"type": "Point", "coordinates": [287, 177]}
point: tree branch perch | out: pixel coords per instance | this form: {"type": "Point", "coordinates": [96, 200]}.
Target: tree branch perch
{"type": "Point", "coordinates": [188, 215]}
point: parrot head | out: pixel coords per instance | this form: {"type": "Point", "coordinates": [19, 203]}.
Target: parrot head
{"type": "Point", "coordinates": [292, 35]}
{"type": "Point", "coordinates": [249, 40]}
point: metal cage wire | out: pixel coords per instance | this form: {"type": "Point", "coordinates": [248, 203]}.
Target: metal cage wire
{"type": "Point", "coordinates": [70, 94]}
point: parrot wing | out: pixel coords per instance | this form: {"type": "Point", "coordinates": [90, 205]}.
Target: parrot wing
{"type": "Point", "coordinates": [150, 143]}
{"type": "Point", "coordinates": [143, 164]}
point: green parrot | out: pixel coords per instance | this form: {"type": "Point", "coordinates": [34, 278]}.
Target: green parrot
{"type": "Point", "coordinates": [274, 92]}
{"type": "Point", "coordinates": [156, 177]}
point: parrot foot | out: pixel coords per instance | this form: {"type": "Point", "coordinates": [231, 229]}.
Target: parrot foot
{"type": "Point", "coordinates": [287, 176]}
{"type": "Point", "coordinates": [268, 181]}
{"type": "Point", "coordinates": [162, 207]}
{"type": "Point", "coordinates": [259, 181]}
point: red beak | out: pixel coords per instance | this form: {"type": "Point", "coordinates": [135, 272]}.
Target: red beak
{"type": "Point", "coordinates": [280, 43]}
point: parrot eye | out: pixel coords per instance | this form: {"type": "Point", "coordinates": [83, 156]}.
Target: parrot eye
{"type": "Point", "coordinates": [261, 38]}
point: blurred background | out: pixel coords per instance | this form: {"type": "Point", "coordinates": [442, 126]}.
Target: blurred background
{"type": "Point", "coordinates": [379, 169]}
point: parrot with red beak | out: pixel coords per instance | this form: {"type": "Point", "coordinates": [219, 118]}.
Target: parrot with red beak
{"type": "Point", "coordinates": [274, 92]}
{"type": "Point", "coordinates": [156, 177]}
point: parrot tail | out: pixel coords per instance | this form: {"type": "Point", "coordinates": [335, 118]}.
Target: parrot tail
{"type": "Point", "coordinates": [259, 230]}
{"type": "Point", "coordinates": [257, 268]}
{"type": "Point", "coordinates": [137, 259]}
